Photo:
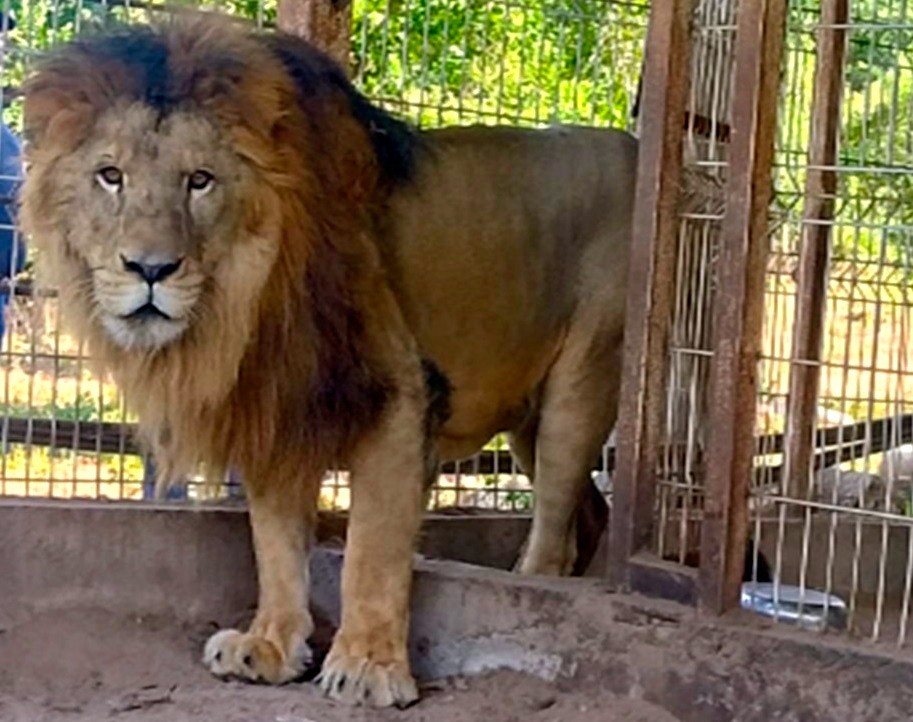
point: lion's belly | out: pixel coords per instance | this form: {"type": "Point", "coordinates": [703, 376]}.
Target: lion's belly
{"type": "Point", "coordinates": [468, 432]}
{"type": "Point", "coordinates": [471, 424]}
{"type": "Point", "coordinates": [490, 396]}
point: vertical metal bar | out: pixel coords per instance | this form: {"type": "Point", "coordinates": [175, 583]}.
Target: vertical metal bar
{"type": "Point", "coordinates": [740, 301]}
{"type": "Point", "coordinates": [814, 255]}
{"type": "Point", "coordinates": [650, 288]}
{"type": "Point", "coordinates": [325, 23]}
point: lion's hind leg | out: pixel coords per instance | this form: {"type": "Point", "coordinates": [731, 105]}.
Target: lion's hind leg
{"type": "Point", "coordinates": [577, 412]}
{"type": "Point", "coordinates": [274, 650]}
{"type": "Point", "coordinates": [592, 516]}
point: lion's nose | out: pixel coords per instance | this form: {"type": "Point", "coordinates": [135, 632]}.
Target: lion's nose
{"type": "Point", "coordinates": [152, 272]}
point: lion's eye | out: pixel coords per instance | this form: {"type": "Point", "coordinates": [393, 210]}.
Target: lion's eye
{"type": "Point", "coordinates": [200, 181]}
{"type": "Point", "coordinates": [111, 178]}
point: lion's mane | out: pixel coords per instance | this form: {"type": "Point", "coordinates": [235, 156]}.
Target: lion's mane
{"type": "Point", "coordinates": [295, 378]}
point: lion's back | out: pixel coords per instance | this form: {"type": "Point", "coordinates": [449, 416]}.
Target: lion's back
{"type": "Point", "coordinates": [513, 223]}
{"type": "Point", "coordinates": [500, 237]}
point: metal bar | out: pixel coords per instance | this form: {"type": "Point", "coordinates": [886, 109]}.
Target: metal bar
{"type": "Point", "coordinates": [873, 514]}
{"type": "Point", "coordinates": [697, 124]}
{"type": "Point", "coordinates": [117, 438]}
{"type": "Point", "coordinates": [814, 256]}
{"type": "Point", "coordinates": [650, 287]}
{"type": "Point", "coordinates": [326, 24]}
{"type": "Point", "coordinates": [90, 437]}
{"type": "Point", "coordinates": [853, 441]}
{"type": "Point", "coordinates": [740, 302]}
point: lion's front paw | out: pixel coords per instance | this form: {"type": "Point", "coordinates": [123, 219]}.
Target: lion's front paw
{"type": "Point", "coordinates": [230, 653]}
{"type": "Point", "coordinates": [360, 681]}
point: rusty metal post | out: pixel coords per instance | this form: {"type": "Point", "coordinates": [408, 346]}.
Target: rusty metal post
{"type": "Point", "coordinates": [738, 312]}
{"type": "Point", "coordinates": [650, 282]}
{"type": "Point", "coordinates": [814, 255]}
{"type": "Point", "coordinates": [326, 24]}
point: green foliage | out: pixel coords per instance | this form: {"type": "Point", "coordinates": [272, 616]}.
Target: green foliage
{"type": "Point", "coordinates": [519, 500]}
{"type": "Point", "coordinates": [874, 215]}
{"type": "Point", "coordinates": [446, 61]}
{"type": "Point", "coordinates": [87, 407]}
{"type": "Point", "coordinates": [438, 61]}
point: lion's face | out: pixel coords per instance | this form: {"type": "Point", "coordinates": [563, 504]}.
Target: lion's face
{"type": "Point", "coordinates": [151, 216]}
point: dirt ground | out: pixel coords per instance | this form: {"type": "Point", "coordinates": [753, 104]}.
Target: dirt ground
{"type": "Point", "coordinates": [90, 666]}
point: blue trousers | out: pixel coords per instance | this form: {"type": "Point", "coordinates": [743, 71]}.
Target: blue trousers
{"type": "Point", "coordinates": [4, 302]}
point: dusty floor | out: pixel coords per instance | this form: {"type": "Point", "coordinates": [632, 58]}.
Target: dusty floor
{"type": "Point", "coordinates": [89, 666]}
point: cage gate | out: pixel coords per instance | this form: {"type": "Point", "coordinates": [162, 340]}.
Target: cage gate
{"type": "Point", "coordinates": [795, 436]}
{"type": "Point", "coordinates": [716, 440]}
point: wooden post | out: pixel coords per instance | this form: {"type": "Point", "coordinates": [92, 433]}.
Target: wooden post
{"type": "Point", "coordinates": [708, 130]}
{"type": "Point", "coordinates": [738, 310]}
{"type": "Point", "coordinates": [650, 287]}
{"type": "Point", "coordinates": [814, 255]}
{"type": "Point", "coordinates": [325, 23]}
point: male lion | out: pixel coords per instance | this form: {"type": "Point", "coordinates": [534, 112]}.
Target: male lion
{"type": "Point", "coordinates": [282, 277]}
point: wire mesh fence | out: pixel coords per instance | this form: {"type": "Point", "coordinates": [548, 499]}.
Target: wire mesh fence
{"type": "Point", "coordinates": [832, 507]}
{"type": "Point", "coordinates": [832, 488]}
{"type": "Point", "coordinates": [67, 432]}
{"type": "Point", "coordinates": [707, 135]}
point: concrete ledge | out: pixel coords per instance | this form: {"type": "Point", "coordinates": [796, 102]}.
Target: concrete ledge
{"type": "Point", "coordinates": [147, 559]}
{"type": "Point", "coordinates": [194, 563]}
{"type": "Point", "coordinates": [739, 669]}
{"type": "Point", "coordinates": [197, 566]}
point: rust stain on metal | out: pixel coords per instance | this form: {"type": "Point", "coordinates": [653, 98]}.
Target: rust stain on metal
{"type": "Point", "coordinates": [738, 312]}
{"type": "Point", "coordinates": [814, 255]}
{"type": "Point", "coordinates": [650, 284]}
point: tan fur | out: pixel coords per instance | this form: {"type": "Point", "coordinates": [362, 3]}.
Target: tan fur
{"type": "Point", "coordinates": [310, 287]}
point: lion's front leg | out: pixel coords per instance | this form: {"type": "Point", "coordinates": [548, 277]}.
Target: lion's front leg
{"type": "Point", "coordinates": [274, 650]}
{"type": "Point", "coordinates": [368, 662]}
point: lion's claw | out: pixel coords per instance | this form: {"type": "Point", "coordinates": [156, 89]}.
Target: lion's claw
{"type": "Point", "coordinates": [362, 682]}
{"type": "Point", "coordinates": [230, 653]}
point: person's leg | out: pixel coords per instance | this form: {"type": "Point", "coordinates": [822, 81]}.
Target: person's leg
{"type": "Point", "coordinates": [4, 301]}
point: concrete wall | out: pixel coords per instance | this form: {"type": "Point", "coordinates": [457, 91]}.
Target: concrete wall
{"type": "Point", "coordinates": [198, 566]}
{"type": "Point", "coordinates": [192, 563]}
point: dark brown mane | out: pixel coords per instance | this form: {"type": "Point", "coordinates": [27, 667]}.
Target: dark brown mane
{"type": "Point", "coordinates": [303, 383]}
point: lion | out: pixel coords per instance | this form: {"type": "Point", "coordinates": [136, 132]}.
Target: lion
{"type": "Point", "coordinates": [284, 278]}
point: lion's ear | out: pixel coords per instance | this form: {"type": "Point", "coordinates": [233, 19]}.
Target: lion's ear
{"type": "Point", "coordinates": [65, 95]}
{"type": "Point", "coordinates": [40, 108]}
{"type": "Point", "coordinates": [55, 113]}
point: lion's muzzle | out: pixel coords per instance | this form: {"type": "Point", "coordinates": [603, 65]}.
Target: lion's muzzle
{"type": "Point", "coordinates": [151, 273]}
{"type": "Point", "coordinates": [146, 301]}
